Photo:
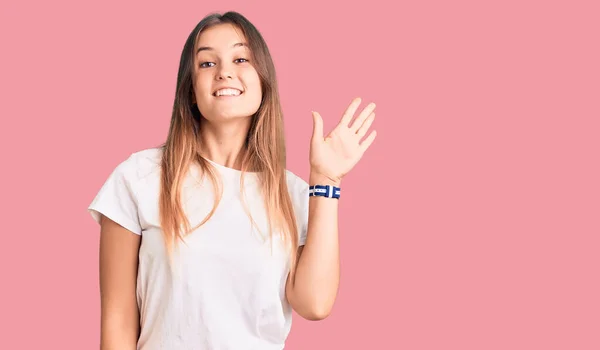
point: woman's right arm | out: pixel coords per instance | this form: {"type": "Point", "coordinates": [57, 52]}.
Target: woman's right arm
{"type": "Point", "coordinates": [120, 320]}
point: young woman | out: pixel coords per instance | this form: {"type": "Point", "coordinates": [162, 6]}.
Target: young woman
{"type": "Point", "coordinates": [208, 242]}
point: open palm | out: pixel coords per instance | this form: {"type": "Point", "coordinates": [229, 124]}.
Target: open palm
{"type": "Point", "coordinates": [336, 154]}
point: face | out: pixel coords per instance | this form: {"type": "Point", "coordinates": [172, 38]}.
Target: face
{"type": "Point", "coordinates": [226, 85]}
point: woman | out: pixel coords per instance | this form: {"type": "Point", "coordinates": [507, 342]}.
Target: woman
{"type": "Point", "coordinates": [208, 242]}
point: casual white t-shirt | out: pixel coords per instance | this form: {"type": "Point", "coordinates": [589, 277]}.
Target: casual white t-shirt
{"type": "Point", "coordinates": [227, 290]}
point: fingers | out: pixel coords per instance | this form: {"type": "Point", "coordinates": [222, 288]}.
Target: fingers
{"type": "Point", "coordinates": [349, 113]}
{"type": "Point", "coordinates": [358, 122]}
{"type": "Point", "coordinates": [368, 141]}
{"type": "Point", "coordinates": [362, 130]}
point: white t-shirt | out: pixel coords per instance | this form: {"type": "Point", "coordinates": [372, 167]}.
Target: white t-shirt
{"type": "Point", "coordinates": [228, 288]}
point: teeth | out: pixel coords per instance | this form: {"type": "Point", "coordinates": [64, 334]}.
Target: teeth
{"type": "Point", "coordinates": [228, 92]}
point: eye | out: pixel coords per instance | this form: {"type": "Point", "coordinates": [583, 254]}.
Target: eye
{"type": "Point", "coordinates": [241, 59]}
{"type": "Point", "coordinates": [205, 64]}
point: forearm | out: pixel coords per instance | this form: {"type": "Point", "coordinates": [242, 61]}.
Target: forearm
{"type": "Point", "coordinates": [318, 270]}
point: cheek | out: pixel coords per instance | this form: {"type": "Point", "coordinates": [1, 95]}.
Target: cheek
{"type": "Point", "coordinates": [254, 84]}
{"type": "Point", "coordinates": [202, 89]}
{"type": "Point", "coordinates": [202, 84]}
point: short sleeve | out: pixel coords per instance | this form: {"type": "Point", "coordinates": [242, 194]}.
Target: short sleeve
{"type": "Point", "coordinates": [116, 199]}
{"type": "Point", "coordinates": [301, 200]}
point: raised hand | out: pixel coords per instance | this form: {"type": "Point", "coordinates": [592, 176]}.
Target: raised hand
{"type": "Point", "coordinates": [333, 156]}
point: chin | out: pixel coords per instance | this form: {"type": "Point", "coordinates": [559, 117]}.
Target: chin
{"type": "Point", "coordinates": [232, 113]}
{"type": "Point", "coordinates": [229, 116]}
{"type": "Point", "coordinates": [230, 110]}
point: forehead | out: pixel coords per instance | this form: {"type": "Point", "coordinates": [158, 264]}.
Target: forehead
{"type": "Point", "coordinates": [220, 37]}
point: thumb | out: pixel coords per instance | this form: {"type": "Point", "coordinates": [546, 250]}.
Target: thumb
{"type": "Point", "coordinates": [317, 127]}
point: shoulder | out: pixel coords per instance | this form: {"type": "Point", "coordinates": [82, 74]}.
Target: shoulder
{"type": "Point", "coordinates": [296, 184]}
{"type": "Point", "coordinates": [136, 172]}
{"type": "Point", "coordinates": [140, 164]}
{"type": "Point", "coordinates": [146, 159]}
{"type": "Point", "coordinates": [129, 189]}
{"type": "Point", "coordinates": [298, 189]}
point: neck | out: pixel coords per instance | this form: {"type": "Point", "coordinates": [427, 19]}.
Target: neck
{"type": "Point", "coordinates": [224, 143]}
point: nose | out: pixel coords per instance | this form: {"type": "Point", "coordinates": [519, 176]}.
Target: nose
{"type": "Point", "coordinates": [224, 73]}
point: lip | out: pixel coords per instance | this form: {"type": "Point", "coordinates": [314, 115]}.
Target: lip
{"type": "Point", "coordinates": [227, 87]}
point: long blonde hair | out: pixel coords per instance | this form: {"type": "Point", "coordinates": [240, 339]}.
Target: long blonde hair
{"type": "Point", "coordinates": [264, 151]}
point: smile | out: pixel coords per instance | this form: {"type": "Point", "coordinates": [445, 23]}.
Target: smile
{"type": "Point", "coordinates": [228, 92]}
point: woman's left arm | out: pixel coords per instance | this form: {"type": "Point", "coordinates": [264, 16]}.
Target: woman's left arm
{"type": "Point", "coordinates": [312, 288]}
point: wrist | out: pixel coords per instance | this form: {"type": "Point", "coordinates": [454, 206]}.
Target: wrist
{"type": "Point", "coordinates": [320, 179]}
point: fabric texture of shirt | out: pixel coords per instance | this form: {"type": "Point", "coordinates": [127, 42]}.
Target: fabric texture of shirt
{"type": "Point", "coordinates": [226, 286]}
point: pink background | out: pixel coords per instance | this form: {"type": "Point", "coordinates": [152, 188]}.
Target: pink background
{"type": "Point", "coordinates": [471, 223]}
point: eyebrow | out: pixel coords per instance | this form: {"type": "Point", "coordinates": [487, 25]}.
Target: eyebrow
{"type": "Point", "coordinates": [208, 48]}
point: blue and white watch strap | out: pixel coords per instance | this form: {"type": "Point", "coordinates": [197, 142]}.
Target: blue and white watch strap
{"type": "Point", "coordinates": [328, 191]}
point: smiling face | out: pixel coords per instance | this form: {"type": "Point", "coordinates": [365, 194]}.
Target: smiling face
{"type": "Point", "coordinates": [226, 84]}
